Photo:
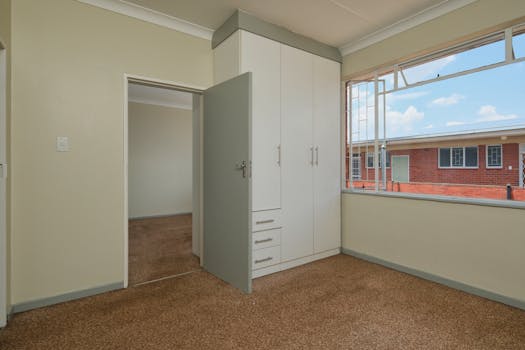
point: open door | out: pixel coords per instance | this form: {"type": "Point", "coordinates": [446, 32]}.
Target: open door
{"type": "Point", "coordinates": [227, 181]}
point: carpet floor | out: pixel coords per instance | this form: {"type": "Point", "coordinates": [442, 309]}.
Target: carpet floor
{"type": "Point", "coordinates": [336, 303]}
{"type": "Point", "coordinates": [160, 247]}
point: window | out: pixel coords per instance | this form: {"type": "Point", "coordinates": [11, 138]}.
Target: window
{"type": "Point", "coordinates": [437, 108]}
{"type": "Point", "coordinates": [356, 166]}
{"type": "Point", "coordinates": [494, 156]}
{"type": "Point", "coordinates": [370, 160]}
{"type": "Point", "coordinates": [458, 157]}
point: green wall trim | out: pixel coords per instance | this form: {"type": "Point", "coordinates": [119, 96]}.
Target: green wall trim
{"type": "Point", "coordinates": [249, 23]}
{"type": "Point", "coordinates": [35, 304]}
{"type": "Point", "coordinates": [438, 279]}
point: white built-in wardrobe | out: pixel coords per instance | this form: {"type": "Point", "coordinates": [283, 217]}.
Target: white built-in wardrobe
{"type": "Point", "coordinates": [296, 159]}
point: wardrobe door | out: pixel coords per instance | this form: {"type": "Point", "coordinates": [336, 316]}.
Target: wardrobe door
{"type": "Point", "coordinates": [262, 57]}
{"type": "Point", "coordinates": [297, 153]}
{"type": "Point", "coordinates": [327, 164]}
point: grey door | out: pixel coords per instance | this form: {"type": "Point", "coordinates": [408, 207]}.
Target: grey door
{"type": "Point", "coordinates": [400, 169]}
{"type": "Point", "coordinates": [227, 181]}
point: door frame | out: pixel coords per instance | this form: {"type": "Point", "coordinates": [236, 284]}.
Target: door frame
{"type": "Point", "coordinates": [521, 154]}
{"type": "Point", "coordinates": [197, 92]}
{"type": "Point", "coordinates": [3, 189]}
{"type": "Point", "coordinates": [392, 168]}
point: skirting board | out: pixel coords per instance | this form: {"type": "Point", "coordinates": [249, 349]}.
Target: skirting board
{"type": "Point", "coordinates": [158, 216]}
{"type": "Point", "coordinates": [438, 279]}
{"type": "Point", "coordinates": [35, 304]}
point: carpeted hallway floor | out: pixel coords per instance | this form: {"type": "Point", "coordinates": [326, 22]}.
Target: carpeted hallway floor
{"type": "Point", "coordinates": [160, 247]}
{"type": "Point", "coordinates": [336, 303]}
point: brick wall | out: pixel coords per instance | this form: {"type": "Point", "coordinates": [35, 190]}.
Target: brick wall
{"type": "Point", "coordinates": [423, 167]}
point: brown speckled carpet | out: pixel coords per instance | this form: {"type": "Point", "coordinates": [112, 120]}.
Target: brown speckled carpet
{"type": "Point", "coordinates": [160, 247]}
{"type": "Point", "coordinates": [336, 303]}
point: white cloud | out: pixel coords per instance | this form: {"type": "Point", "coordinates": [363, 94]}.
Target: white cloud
{"type": "Point", "coordinates": [488, 113]}
{"type": "Point", "coordinates": [429, 126]}
{"type": "Point", "coordinates": [454, 123]}
{"type": "Point", "coordinates": [428, 70]}
{"type": "Point", "coordinates": [403, 120]}
{"type": "Point", "coordinates": [391, 98]}
{"type": "Point", "coordinates": [447, 101]}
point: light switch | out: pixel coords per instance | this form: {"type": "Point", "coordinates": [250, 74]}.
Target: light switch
{"type": "Point", "coordinates": [62, 144]}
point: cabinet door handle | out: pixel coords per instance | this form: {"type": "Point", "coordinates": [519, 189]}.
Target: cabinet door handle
{"type": "Point", "coordinates": [317, 156]}
{"type": "Point", "coordinates": [263, 260]}
{"type": "Point", "coordinates": [312, 156]}
{"type": "Point", "coordinates": [264, 222]}
{"type": "Point", "coordinates": [279, 155]}
{"type": "Point", "coordinates": [264, 240]}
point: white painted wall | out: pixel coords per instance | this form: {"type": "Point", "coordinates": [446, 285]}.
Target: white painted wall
{"type": "Point", "coordinates": [160, 160]}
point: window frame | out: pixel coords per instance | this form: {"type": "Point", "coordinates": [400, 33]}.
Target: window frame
{"type": "Point", "coordinates": [378, 160]}
{"type": "Point", "coordinates": [464, 158]}
{"type": "Point", "coordinates": [487, 156]}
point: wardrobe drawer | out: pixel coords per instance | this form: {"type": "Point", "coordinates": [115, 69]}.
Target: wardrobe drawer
{"type": "Point", "coordinates": [266, 257]}
{"type": "Point", "coordinates": [265, 239]}
{"type": "Point", "coordinates": [266, 220]}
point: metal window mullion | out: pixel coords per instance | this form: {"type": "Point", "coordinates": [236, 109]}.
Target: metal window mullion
{"type": "Point", "coordinates": [349, 107]}
{"type": "Point", "coordinates": [376, 132]}
{"type": "Point", "coordinates": [509, 52]}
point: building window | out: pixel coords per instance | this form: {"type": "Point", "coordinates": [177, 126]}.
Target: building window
{"type": "Point", "coordinates": [356, 166]}
{"type": "Point", "coordinates": [494, 156]}
{"type": "Point", "coordinates": [458, 157]}
{"type": "Point", "coordinates": [370, 160]}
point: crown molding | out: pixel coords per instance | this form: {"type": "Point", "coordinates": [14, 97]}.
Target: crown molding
{"type": "Point", "coordinates": [132, 10]}
{"type": "Point", "coordinates": [421, 17]}
{"type": "Point", "coordinates": [147, 101]}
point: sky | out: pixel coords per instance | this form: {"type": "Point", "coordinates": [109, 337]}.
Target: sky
{"type": "Point", "coordinates": [485, 100]}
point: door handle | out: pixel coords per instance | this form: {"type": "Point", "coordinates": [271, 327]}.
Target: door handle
{"type": "Point", "coordinates": [312, 156]}
{"type": "Point", "coordinates": [242, 166]}
{"type": "Point", "coordinates": [317, 156]}
{"type": "Point", "coordinates": [3, 170]}
{"type": "Point", "coordinates": [279, 155]}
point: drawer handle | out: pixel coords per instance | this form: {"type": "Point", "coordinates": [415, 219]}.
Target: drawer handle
{"type": "Point", "coordinates": [264, 240]}
{"type": "Point", "coordinates": [264, 222]}
{"type": "Point", "coordinates": [263, 260]}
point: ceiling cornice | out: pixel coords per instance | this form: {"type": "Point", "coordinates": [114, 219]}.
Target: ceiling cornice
{"type": "Point", "coordinates": [152, 16]}
{"type": "Point", "coordinates": [421, 17]}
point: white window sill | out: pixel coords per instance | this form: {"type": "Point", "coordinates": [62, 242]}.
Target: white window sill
{"type": "Point", "coordinates": [446, 199]}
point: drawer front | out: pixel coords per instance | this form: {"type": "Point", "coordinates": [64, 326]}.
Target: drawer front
{"type": "Point", "coordinates": [266, 257]}
{"type": "Point", "coordinates": [266, 220]}
{"type": "Point", "coordinates": [265, 239]}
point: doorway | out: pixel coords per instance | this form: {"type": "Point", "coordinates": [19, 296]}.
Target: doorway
{"type": "Point", "coordinates": [162, 158]}
{"type": "Point", "coordinates": [400, 169]}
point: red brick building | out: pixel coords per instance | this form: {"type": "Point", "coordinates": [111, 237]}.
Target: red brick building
{"type": "Point", "coordinates": [493, 158]}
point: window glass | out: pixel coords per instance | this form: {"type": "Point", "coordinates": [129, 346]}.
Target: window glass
{"type": "Point", "coordinates": [476, 57]}
{"type": "Point", "coordinates": [356, 166]}
{"type": "Point", "coordinates": [444, 157]}
{"type": "Point", "coordinates": [518, 43]}
{"type": "Point", "coordinates": [471, 156]}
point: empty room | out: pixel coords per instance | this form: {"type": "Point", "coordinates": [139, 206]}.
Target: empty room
{"type": "Point", "coordinates": [240, 174]}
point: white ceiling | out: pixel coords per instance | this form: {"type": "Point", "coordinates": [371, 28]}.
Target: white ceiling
{"type": "Point", "coordinates": [334, 22]}
{"type": "Point", "coordinates": [159, 96]}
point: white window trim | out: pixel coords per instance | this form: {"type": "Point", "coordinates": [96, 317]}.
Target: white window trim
{"type": "Point", "coordinates": [487, 157]}
{"type": "Point", "coordinates": [379, 160]}
{"type": "Point", "coordinates": [464, 158]}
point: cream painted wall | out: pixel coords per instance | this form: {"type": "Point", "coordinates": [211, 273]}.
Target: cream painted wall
{"type": "Point", "coordinates": [468, 20]}
{"type": "Point", "coordinates": [68, 63]}
{"type": "Point", "coordinates": [475, 245]}
{"type": "Point", "coordinates": [5, 39]}
{"type": "Point", "coordinates": [160, 160]}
